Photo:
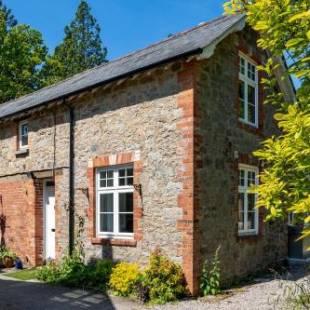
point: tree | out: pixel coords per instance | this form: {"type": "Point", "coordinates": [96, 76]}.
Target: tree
{"type": "Point", "coordinates": [10, 20]}
{"type": "Point", "coordinates": [284, 29]}
{"type": "Point", "coordinates": [21, 53]}
{"type": "Point", "coordinates": [81, 48]}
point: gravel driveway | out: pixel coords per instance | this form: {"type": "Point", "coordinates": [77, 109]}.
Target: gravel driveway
{"type": "Point", "coordinates": [21, 295]}
{"type": "Point", "coordinates": [262, 295]}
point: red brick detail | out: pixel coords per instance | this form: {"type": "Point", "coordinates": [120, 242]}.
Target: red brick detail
{"type": "Point", "coordinates": [256, 57]}
{"type": "Point", "coordinates": [187, 199]}
{"type": "Point", "coordinates": [21, 205]}
{"type": "Point", "coordinates": [105, 161]}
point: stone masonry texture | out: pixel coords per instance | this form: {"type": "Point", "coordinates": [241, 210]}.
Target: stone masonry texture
{"type": "Point", "coordinates": [179, 126]}
{"type": "Point", "coordinates": [220, 137]}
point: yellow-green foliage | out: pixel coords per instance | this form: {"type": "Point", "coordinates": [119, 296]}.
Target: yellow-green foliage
{"type": "Point", "coordinates": [123, 278]}
{"type": "Point", "coordinates": [284, 30]}
{"type": "Point", "coordinates": [284, 27]}
{"type": "Point", "coordinates": [163, 278]}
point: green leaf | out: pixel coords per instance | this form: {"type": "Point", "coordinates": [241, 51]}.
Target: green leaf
{"type": "Point", "coordinates": [300, 16]}
{"type": "Point", "coordinates": [295, 41]}
{"type": "Point", "coordinates": [261, 25]}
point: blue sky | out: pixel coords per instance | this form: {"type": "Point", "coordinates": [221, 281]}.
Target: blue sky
{"type": "Point", "coordinates": [126, 25]}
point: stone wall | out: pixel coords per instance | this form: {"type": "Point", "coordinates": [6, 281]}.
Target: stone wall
{"type": "Point", "coordinates": [222, 138]}
{"type": "Point", "coordinates": [48, 131]}
{"type": "Point", "coordinates": [140, 118]}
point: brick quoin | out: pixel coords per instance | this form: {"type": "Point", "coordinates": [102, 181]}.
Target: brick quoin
{"type": "Point", "coordinates": [187, 201]}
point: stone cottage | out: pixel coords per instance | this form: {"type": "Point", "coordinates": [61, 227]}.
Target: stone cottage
{"type": "Point", "coordinates": [150, 150]}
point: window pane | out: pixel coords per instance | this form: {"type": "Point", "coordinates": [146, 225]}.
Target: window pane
{"type": "Point", "coordinates": [251, 104]}
{"type": "Point", "coordinates": [241, 90]}
{"type": "Point", "coordinates": [126, 223]}
{"type": "Point", "coordinates": [110, 182]}
{"type": "Point", "coordinates": [241, 177]}
{"type": "Point", "coordinates": [106, 222]}
{"type": "Point", "coordinates": [106, 202]}
{"type": "Point", "coordinates": [251, 178]}
{"type": "Point", "coordinates": [242, 65]}
{"type": "Point", "coordinates": [106, 178]}
{"type": "Point", "coordinates": [251, 113]}
{"type": "Point", "coordinates": [241, 211]}
{"type": "Point", "coordinates": [251, 220]}
{"type": "Point", "coordinates": [251, 94]}
{"type": "Point", "coordinates": [251, 72]}
{"type": "Point", "coordinates": [251, 202]}
{"type": "Point", "coordinates": [242, 99]}
{"type": "Point", "coordinates": [125, 177]}
{"type": "Point", "coordinates": [24, 130]}
{"type": "Point", "coordinates": [24, 140]}
{"type": "Point", "coordinates": [24, 135]}
{"type": "Point", "coordinates": [103, 174]}
{"type": "Point", "coordinates": [126, 202]}
{"type": "Point", "coordinates": [122, 172]}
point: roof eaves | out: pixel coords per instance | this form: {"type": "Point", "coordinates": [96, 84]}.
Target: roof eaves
{"type": "Point", "coordinates": [191, 53]}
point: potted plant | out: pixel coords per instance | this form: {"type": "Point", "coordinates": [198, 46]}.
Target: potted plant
{"type": "Point", "coordinates": [7, 258]}
{"type": "Point", "coordinates": [8, 261]}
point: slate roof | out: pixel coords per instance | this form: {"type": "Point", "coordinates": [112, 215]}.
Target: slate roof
{"type": "Point", "coordinates": [188, 42]}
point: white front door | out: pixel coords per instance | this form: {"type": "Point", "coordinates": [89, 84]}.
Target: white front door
{"type": "Point", "coordinates": [49, 220]}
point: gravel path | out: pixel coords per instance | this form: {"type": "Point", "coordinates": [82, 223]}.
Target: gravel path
{"type": "Point", "coordinates": [262, 295]}
{"type": "Point", "coordinates": [33, 295]}
{"type": "Point", "coordinates": [258, 296]}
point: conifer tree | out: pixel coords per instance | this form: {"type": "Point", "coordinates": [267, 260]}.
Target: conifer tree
{"type": "Point", "coordinates": [81, 48]}
{"type": "Point", "coordinates": [10, 20]}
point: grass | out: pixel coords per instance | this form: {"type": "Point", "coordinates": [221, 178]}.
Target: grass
{"type": "Point", "coordinates": [26, 274]}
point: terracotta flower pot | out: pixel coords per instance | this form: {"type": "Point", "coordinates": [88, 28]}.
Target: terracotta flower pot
{"type": "Point", "coordinates": [8, 262]}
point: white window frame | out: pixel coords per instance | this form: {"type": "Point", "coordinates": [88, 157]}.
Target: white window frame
{"type": "Point", "coordinates": [20, 136]}
{"type": "Point", "coordinates": [116, 189]}
{"type": "Point", "coordinates": [244, 190]}
{"type": "Point", "coordinates": [247, 81]}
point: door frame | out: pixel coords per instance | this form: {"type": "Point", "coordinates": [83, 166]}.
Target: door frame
{"type": "Point", "coordinates": [44, 217]}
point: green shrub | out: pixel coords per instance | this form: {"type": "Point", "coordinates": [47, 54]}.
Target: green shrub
{"type": "Point", "coordinates": [162, 280]}
{"type": "Point", "coordinates": [124, 278]}
{"type": "Point", "coordinates": [48, 273]}
{"type": "Point", "coordinates": [210, 278]}
{"type": "Point", "coordinates": [99, 274]}
{"type": "Point", "coordinates": [71, 271]}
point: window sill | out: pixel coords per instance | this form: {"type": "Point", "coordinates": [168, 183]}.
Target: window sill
{"type": "Point", "coordinates": [22, 152]}
{"type": "Point", "coordinates": [250, 236]}
{"type": "Point", "coordinates": [251, 125]}
{"type": "Point", "coordinates": [117, 242]}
